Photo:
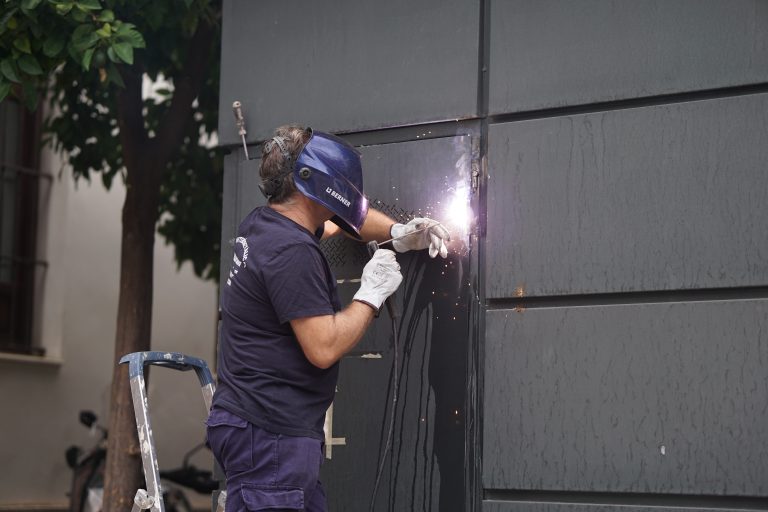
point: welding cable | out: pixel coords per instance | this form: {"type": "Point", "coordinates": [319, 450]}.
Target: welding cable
{"type": "Point", "coordinates": [395, 390]}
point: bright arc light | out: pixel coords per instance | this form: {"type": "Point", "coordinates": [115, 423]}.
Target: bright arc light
{"type": "Point", "coordinates": [459, 214]}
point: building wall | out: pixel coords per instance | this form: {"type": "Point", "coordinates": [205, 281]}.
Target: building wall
{"type": "Point", "coordinates": [75, 321]}
{"type": "Point", "coordinates": [617, 268]}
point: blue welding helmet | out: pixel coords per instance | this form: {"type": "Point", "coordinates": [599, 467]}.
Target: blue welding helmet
{"type": "Point", "coordinates": [329, 171]}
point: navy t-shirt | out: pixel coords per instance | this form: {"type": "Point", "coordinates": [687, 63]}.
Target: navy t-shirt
{"type": "Point", "coordinates": [278, 274]}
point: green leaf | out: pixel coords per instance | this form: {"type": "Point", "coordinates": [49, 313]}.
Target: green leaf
{"type": "Point", "coordinates": [100, 58]}
{"type": "Point", "coordinates": [87, 56]}
{"type": "Point", "coordinates": [9, 70]}
{"type": "Point", "coordinates": [134, 38]}
{"type": "Point", "coordinates": [30, 66]}
{"type": "Point", "coordinates": [123, 28]}
{"type": "Point", "coordinates": [91, 5]}
{"type": "Point", "coordinates": [82, 32]}
{"type": "Point", "coordinates": [105, 31]}
{"type": "Point", "coordinates": [6, 17]}
{"type": "Point", "coordinates": [37, 31]}
{"type": "Point", "coordinates": [30, 4]}
{"type": "Point", "coordinates": [106, 15]}
{"type": "Point", "coordinates": [63, 9]}
{"type": "Point", "coordinates": [112, 56]}
{"type": "Point", "coordinates": [124, 51]}
{"type": "Point", "coordinates": [80, 15]}
{"type": "Point", "coordinates": [53, 45]}
{"type": "Point", "coordinates": [22, 44]}
{"type": "Point", "coordinates": [84, 37]}
{"type": "Point", "coordinates": [114, 76]}
{"type": "Point", "coordinates": [5, 88]}
{"type": "Point", "coordinates": [30, 96]}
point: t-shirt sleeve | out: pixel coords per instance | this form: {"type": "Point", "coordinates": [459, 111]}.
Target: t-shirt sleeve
{"type": "Point", "coordinates": [297, 284]}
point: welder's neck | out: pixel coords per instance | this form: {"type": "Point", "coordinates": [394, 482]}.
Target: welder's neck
{"type": "Point", "coordinates": [304, 212]}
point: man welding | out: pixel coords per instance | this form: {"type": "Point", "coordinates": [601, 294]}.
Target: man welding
{"type": "Point", "coordinates": [283, 329]}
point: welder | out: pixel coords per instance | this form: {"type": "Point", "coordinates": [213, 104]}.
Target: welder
{"type": "Point", "coordinates": [283, 329]}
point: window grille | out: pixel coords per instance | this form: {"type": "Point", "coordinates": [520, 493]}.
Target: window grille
{"type": "Point", "coordinates": [19, 196]}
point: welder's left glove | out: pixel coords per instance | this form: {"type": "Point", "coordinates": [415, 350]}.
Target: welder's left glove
{"type": "Point", "coordinates": [415, 237]}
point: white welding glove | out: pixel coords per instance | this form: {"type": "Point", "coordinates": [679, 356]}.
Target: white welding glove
{"type": "Point", "coordinates": [433, 237]}
{"type": "Point", "coordinates": [381, 277]}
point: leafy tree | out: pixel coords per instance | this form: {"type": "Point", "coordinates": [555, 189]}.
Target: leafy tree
{"type": "Point", "coordinates": [93, 58]}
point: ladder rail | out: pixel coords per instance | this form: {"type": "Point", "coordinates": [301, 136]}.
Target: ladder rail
{"type": "Point", "coordinates": [151, 498]}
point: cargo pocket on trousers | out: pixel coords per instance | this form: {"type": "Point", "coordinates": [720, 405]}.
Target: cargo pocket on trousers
{"type": "Point", "coordinates": [267, 497]}
{"type": "Point", "coordinates": [231, 440]}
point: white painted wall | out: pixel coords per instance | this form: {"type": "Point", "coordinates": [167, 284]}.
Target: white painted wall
{"type": "Point", "coordinates": [75, 321]}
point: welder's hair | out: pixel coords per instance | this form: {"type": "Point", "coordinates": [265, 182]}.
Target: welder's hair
{"type": "Point", "coordinates": [278, 155]}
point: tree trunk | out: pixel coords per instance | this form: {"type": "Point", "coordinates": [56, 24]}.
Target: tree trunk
{"type": "Point", "coordinates": [145, 159]}
{"type": "Point", "coordinates": [134, 322]}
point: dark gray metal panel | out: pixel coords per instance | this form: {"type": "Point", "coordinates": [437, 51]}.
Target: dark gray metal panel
{"type": "Point", "coordinates": [550, 53]}
{"type": "Point", "coordinates": [346, 66]}
{"type": "Point", "coordinates": [228, 214]}
{"type": "Point", "coordinates": [659, 398]}
{"type": "Point", "coordinates": [502, 506]}
{"type": "Point", "coordinates": [426, 470]}
{"type": "Point", "coordinates": [656, 198]}
{"type": "Point", "coordinates": [241, 195]}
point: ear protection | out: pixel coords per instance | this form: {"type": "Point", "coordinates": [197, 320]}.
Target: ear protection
{"type": "Point", "coordinates": [271, 186]}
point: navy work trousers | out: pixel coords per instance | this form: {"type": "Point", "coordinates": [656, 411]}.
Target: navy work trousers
{"type": "Point", "coordinates": [265, 471]}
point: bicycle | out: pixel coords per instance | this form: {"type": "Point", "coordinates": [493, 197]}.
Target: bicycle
{"type": "Point", "coordinates": [86, 492]}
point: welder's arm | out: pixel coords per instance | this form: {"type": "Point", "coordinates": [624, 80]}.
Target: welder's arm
{"type": "Point", "coordinates": [325, 339]}
{"type": "Point", "coordinates": [420, 233]}
{"type": "Point", "coordinates": [377, 227]}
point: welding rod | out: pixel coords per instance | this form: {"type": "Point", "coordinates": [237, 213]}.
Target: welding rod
{"type": "Point", "coordinates": [373, 246]}
{"type": "Point", "coordinates": [407, 234]}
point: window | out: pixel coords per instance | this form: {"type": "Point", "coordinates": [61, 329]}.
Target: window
{"type": "Point", "coordinates": [19, 184]}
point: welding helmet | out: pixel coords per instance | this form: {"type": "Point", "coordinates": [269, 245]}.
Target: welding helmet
{"type": "Point", "coordinates": [328, 170]}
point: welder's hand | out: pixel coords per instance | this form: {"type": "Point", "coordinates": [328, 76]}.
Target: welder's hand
{"type": "Point", "coordinates": [433, 237]}
{"type": "Point", "coordinates": [381, 277]}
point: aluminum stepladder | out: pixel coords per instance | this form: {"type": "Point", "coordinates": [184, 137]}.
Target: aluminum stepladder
{"type": "Point", "coordinates": [152, 498]}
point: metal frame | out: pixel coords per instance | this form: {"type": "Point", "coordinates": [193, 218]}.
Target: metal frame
{"type": "Point", "coordinates": [152, 498]}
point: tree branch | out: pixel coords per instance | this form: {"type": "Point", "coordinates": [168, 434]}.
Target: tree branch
{"type": "Point", "coordinates": [130, 116]}
{"type": "Point", "coordinates": [186, 88]}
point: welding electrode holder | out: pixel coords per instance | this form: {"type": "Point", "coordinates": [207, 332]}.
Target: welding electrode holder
{"type": "Point", "coordinates": [373, 246]}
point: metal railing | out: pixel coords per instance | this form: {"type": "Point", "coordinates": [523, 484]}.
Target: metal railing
{"type": "Point", "coordinates": [19, 200]}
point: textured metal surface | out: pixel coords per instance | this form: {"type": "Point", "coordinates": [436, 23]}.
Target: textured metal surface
{"type": "Point", "coordinates": [426, 470]}
{"type": "Point", "coordinates": [550, 53]}
{"type": "Point", "coordinates": [656, 198]}
{"type": "Point", "coordinates": [347, 66]}
{"type": "Point", "coordinates": [651, 398]}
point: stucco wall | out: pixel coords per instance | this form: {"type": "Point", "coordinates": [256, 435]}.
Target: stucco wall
{"type": "Point", "coordinates": [75, 321]}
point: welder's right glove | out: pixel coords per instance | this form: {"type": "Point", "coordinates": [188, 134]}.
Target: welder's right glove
{"type": "Point", "coordinates": [381, 277]}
